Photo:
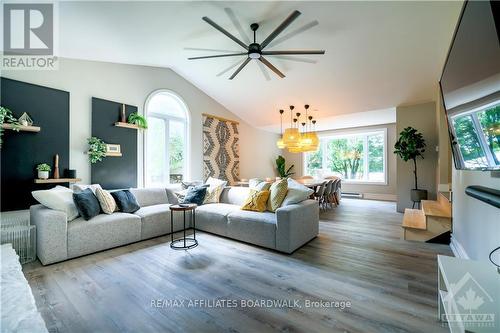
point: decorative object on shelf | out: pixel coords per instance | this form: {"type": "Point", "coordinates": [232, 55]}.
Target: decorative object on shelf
{"type": "Point", "coordinates": [113, 148]}
{"type": "Point", "coordinates": [56, 166]}
{"type": "Point", "coordinates": [123, 115]}
{"type": "Point", "coordinates": [43, 171]}
{"type": "Point", "coordinates": [283, 172]}
{"type": "Point", "coordinates": [7, 118]}
{"type": "Point", "coordinates": [293, 139]}
{"type": "Point", "coordinates": [410, 146]}
{"type": "Point", "coordinates": [137, 119]}
{"type": "Point", "coordinates": [25, 120]}
{"type": "Point", "coordinates": [256, 51]}
{"type": "Point", "coordinates": [97, 149]}
{"type": "Point", "coordinates": [70, 173]}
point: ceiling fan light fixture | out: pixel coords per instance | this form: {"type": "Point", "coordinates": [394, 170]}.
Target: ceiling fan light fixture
{"type": "Point", "coordinates": [254, 55]}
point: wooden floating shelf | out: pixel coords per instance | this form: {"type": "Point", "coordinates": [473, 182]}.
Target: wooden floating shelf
{"type": "Point", "coordinates": [113, 154]}
{"type": "Point", "coordinates": [58, 180]}
{"type": "Point", "coordinates": [22, 128]}
{"type": "Point", "coordinates": [127, 125]}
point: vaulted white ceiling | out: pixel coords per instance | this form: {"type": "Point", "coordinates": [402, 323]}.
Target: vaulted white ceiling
{"type": "Point", "coordinates": [378, 54]}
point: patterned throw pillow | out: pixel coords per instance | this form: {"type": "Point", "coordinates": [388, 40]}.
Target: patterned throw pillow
{"type": "Point", "coordinates": [278, 193]}
{"type": "Point", "coordinates": [106, 200]}
{"type": "Point", "coordinates": [256, 201]}
{"type": "Point", "coordinates": [213, 194]}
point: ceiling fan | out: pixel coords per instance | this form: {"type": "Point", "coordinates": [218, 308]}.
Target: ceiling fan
{"type": "Point", "coordinates": [256, 50]}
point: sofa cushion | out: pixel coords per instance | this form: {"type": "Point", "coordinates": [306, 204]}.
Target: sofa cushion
{"type": "Point", "coordinates": [150, 196]}
{"type": "Point", "coordinates": [296, 193]}
{"type": "Point", "coordinates": [213, 217]}
{"type": "Point", "coordinates": [126, 201]}
{"type": "Point", "coordinates": [234, 195]}
{"type": "Point", "coordinates": [253, 227]}
{"type": "Point", "coordinates": [106, 200]}
{"type": "Point", "coordinates": [82, 187]}
{"type": "Point", "coordinates": [87, 204]}
{"type": "Point", "coordinates": [58, 198]}
{"type": "Point", "coordinates": [155, 220]}
{"type": "Point", "coordinates": [278, 193]}
{"type": "Point", "coordinates": [102, 232]}
{"type": "Point", "coordinates": [195, 195]}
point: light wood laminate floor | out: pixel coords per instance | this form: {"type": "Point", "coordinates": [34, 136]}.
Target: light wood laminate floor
{"type": "Point", "coordinates": [357, 257]}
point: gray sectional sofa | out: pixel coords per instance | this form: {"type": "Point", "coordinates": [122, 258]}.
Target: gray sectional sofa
{"type": "Point", "coordinates": [286, 230]}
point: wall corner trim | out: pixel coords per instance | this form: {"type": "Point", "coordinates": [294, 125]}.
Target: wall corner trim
{"type": "Point", "coordinates": [458, 249]}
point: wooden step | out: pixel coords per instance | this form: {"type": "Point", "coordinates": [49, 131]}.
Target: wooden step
{"type": "Point", "coordinates": [435, 227]}
{"type": "Point", "coordinates": [435, 208]}
{"type": "Point", "coordinates": [415, 219]}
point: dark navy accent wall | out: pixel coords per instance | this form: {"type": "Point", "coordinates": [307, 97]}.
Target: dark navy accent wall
{"type": "Point", "coordinates": [22, 151]}
{"type": "Point", "coordinates": [114, 172]}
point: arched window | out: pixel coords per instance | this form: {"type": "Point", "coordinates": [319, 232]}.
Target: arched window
{"type": "Point", "coordinates": [166, 143]}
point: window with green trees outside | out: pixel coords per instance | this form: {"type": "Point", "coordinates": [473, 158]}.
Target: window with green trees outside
{"type": "Point", "coordinates": [357, 157]}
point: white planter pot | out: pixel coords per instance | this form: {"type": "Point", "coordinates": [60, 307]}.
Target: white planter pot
{"type": "Point", "coordinates": [43, 175]}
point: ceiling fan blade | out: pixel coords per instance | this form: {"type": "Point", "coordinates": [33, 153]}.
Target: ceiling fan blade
{"type": "Point", "coordinates": [218, 56]}
{"type": "Point", "coordinates": [293, 33]}
{"type": "Point", "coordinates": [240, 68]}
{"type": "Point", "coordinates": [225, 32]}
{"type": "Point", "coordinates": [297, 59]}
{"type": "Point", "coordinates": [293, 52]}
{"type": "Point", "coordinates": [237, 24]}
{"type": "Point", "coordinates": [209, 50]}
{"type": "Point", "coordinates": [230, 67]}
{"type": "Point", "coordinates": [280, 28]}
{"type": "Point", "coordinates": [271, 67]}
{"type": "Point", "coordinates": [264, 71]}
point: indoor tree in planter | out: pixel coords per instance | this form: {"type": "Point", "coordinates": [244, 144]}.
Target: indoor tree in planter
{"type": "Point", "coordinates": [137, 119]}
{"type": "Point", "coordinates": [410, 146]}
{"type": "Point", "coordinates": [97, 149]}
{"type": "Point", "coordinates": [283, 172]}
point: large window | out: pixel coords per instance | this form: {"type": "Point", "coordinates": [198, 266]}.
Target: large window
{"type": "Point", "coordinates": [166, 139]}
{"type": "Point", "coordinates": [357, 157]}
{"type": "Point", "coordinates": [478, 135]}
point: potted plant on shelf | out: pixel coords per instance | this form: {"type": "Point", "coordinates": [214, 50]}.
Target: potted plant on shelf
{"type": "Point", "coordinates": [6, 117]}
{"type": "Point", "coordinates": [137, 119]}
{"type": "Point", "coordinates": [43, 171]}
{"type": "Point", "coordinates": [410, 146]}
{"type": "Point", "coordinates": [283, 172]}
{"type": "Point", "coordinates": [97, 149]}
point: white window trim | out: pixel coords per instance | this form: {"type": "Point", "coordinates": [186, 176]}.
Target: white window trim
{"type": "Point", "coordinates": [330, 135]}
{"type": "Point", "coordinates": [187, 129]}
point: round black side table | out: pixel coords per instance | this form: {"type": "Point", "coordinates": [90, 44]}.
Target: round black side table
{"type": "Point", "coordinates": [184, 243]}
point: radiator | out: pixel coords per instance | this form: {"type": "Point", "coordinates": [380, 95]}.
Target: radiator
{"type": "Point", "coordinates": [352, 195]}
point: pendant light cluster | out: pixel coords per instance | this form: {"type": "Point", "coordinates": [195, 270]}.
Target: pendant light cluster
{"type": "Point", "coordinates": [301, 136]}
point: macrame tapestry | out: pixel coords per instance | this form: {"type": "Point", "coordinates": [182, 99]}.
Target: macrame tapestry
{"type": "Point", "coordinates": [221, 157]}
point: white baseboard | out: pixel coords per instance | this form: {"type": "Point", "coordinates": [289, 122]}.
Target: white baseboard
{"type": "Point", "coordinates": [458, 249]}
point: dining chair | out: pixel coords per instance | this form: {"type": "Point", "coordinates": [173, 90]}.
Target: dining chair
{"type": "Point", "coordinates": [336, 191]}
{"type": "Point", "coordinates": [327, 196]}
{"type": "Point", "coordinates": [319, 193]}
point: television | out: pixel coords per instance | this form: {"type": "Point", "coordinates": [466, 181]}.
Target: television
{"type": "Point", "coordinates": [470, 87]}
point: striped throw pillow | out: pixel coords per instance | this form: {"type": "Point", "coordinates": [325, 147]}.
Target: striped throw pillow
{"type": "Point", "coordinates": [213, 194]}
{"type": "Point", "coordinates": [278, 193]}
{"type": "Point", "coordinates": [106, 200]}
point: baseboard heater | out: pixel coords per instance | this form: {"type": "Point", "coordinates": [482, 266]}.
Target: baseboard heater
{"type": "Point", "coordinates": [352, 195]}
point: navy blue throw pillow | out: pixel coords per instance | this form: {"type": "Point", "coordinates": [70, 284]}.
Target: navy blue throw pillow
{"type": "Point", "coordinates": [126, 201]}
{"type": "Point", "coordinates": [87, 204]}
{"type": "Point", "coordinates": [195, 195]}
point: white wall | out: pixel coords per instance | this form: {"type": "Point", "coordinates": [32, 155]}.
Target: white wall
{"type": "Point", "coordinates": [131, 84]}
{"type": "Point", "coordinates": [476, 225]}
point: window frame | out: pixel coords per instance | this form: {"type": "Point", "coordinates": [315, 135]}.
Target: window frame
{"type": "Point", "coordinates": [473, 113]}
{"type": "Point", "coordinates": [362, 132]}
{"type": "Point", "coordinates": [167, 119]}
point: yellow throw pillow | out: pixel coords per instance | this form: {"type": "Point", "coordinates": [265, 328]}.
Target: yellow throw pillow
{"type": "Point", "coordinates": [278, 193]}
{"type": "Point", "coordinates": [256, 201]}
{"type": "Point", "coordinates": [106, 200]}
